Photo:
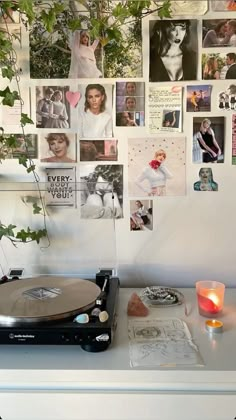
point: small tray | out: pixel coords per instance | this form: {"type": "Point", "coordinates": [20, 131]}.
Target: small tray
{"type": "Point", "coordinates": [162, 296]}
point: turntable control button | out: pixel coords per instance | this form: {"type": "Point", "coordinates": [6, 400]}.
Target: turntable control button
{"type": "Point", "coordinates": [65, 337]}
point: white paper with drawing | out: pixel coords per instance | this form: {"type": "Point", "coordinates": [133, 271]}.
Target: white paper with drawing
{"type": "Point", "coordinates": [165, 110]}
{"type": "Point", "coordinates": [162, 342]}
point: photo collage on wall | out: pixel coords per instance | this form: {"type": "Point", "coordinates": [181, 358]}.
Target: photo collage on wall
{"type": "Point", "coordinates": [167, 86]}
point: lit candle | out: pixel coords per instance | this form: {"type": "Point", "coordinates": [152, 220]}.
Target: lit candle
{"type": "Point", "coordinates": [209, 303]}
{"type": "Point", "coordinates": [214, 326]}
{"type": "Point", "coordinates": [214, 298]}
{"type": "Point", "coordinates": [210, 296]}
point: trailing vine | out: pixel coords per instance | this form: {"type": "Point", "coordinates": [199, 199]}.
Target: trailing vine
{"type": "Point", "coordinates": [10, 143]}
{"type": "Point", "coordinates": [60, 17]}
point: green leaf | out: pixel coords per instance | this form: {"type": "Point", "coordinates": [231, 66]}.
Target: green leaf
{"type": "Point", "coordinates": [4, 92]}
{"type": "Point", "coordinates": [9, 97]}
{"type": "Point", "coordinates": [26, 6]}
{"type": "Point", "coordinates": [25, 119]}
{"type": "Point", "coordinates": [6, 45]}
{"type": "Point", "coordinates": [59, 8]}
{"type": "Point", "coordinates": [23, 160]}
{"type": "Point", "coordinates": [7, 230]}
{"type": "Point", "coordinates": [36, 208]}
{"type": "Point", "coordinates": [8, 72]}
{"type": "Point", "coordinates": [114, 33]}
{"type": "Point", "coordinates": [11, 141]}
{"type": "Point", "coordinates": [165, 10]}
{"type": "Point", "coordinates": [49, 19]}
{"type": "Point", "coordinates": [31, 235]}
{"type": "Point", "coordinates": [22, 235]}
{"type": "Point", "coordinates": [120, 12]}
{"type": "Point", "coordinates": [74, 24]}
{"type": "Point", "coordinates": [31, 168]}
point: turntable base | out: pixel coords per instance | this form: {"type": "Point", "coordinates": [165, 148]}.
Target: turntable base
{"type": "Point", "coordinates": [60, 328]}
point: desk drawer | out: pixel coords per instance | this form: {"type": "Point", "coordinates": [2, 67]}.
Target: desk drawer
{"type": "Point", "coordinates": [116, 406]}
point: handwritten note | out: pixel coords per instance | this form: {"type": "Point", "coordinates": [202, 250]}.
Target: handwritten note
{"type": "Point", "coordinates": [165, 109]}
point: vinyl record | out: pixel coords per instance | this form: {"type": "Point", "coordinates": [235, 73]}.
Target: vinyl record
{"type": "Point", "coordinates": [42, 299]}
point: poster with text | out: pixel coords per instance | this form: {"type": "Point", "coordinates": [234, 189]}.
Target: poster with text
{"type": "Point", "coordinates": [60, 187]}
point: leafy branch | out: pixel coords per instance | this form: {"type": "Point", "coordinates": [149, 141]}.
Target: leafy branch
{"type": "Point", "coordinates": [11, 143]}
{"type": "Point", "coordinates": [22, 235]}
{"type": "Point", "coordinates": [106, 21]}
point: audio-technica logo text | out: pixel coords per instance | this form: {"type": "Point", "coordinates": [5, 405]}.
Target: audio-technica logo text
{"type": "Point", "coordinates": [20, 336]}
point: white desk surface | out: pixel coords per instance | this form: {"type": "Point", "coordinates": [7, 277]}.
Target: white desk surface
{"type": "Point", "coordinates": [71, 368]}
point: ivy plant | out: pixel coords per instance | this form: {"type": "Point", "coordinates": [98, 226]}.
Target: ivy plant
{"type": "Point", "coordinates": [53, 19]}
{"type": "Point", "coordinates": [11, 143]}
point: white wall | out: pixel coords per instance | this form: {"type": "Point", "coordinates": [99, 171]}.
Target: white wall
{"type": "Point", "coordinates": [193, 235]}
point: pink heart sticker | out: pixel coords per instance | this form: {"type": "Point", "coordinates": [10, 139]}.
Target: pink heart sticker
{"type": "Point", "coordinates": [73, 98]}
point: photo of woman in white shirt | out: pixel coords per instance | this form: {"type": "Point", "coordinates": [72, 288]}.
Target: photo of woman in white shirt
{"type": "Point", "coordinates": [94, 119]}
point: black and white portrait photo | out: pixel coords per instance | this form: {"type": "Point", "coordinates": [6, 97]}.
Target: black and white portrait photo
{"type": "Point", "coordinates": [173, 50]}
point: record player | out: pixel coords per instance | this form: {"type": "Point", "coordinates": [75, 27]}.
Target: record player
{"type": "Point", "coordinates": [59, 310]}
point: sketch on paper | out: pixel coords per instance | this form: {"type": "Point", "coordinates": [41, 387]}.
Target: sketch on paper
{"type": "Point", "coordinates": [162, 342]}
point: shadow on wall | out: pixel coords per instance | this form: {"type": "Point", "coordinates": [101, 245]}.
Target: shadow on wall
{"type": "Point", "coordinates": [142, 275]}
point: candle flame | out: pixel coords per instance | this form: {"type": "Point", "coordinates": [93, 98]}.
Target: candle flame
{"type": "Point", "coordinates": [214, 298]}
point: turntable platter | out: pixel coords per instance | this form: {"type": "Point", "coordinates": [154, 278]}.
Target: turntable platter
{"type": "Point", "coordinates": [46, 298]}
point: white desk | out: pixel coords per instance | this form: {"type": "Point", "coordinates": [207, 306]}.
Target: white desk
{"type": "Point", "coordinates": [67, 383]}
